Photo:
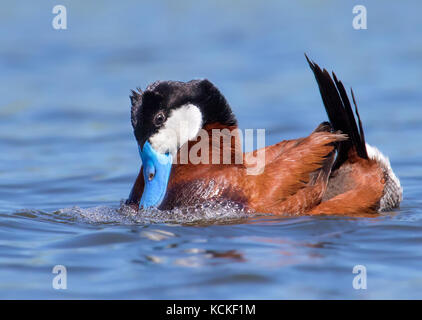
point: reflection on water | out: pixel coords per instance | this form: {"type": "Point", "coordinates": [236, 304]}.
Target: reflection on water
{"type": "Point", "coordinates": [68, 156]}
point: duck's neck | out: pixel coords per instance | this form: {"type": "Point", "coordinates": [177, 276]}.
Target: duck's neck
{"type": "Point", "coordinates": [202, 162]}
{"type": "Point", "coordinates": [215, 145]}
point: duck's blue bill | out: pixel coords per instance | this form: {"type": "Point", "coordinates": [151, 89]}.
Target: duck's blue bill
{"type": "Point", "coordinates": [156, 170]}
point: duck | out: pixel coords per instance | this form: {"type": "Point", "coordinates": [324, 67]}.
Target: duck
{"type": "Point", "coordinates": [332, 171]}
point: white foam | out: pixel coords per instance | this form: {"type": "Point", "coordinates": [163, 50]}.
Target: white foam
{"type": "Point", "coordinates": [207, 213]}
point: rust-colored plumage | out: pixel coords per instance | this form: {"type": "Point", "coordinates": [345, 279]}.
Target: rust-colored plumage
{"type": "Point", "coordinates": [327, 172]}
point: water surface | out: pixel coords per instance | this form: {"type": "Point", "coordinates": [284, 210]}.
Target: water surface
{"type": "Point", "coordinates": [68, 156]}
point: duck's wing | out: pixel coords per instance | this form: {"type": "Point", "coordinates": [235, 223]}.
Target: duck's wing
{"type": "Point", "coordinates": [296, 173]}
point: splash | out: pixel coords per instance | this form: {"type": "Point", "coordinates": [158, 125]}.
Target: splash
{"type": "Point", "coordinates": [203, 214]}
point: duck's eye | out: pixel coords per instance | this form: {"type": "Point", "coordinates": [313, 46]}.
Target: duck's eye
{"type": "Point", "coordinates": [159, 119]}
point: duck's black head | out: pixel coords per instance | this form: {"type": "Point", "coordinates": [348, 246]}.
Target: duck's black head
{"type": "Point", "coordinates": [164, 117]}
{"type": "Point", "coordinates": [166, 107]}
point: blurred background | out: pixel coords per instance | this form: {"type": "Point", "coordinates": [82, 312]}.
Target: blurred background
{"type": "Point", "coordinates": [66, 138]}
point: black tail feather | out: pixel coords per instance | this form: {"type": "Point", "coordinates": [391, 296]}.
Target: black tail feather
{"type": "Point", "coordinates": [340, 113]}
{"type": "Point", "coordinates": [361, 133]}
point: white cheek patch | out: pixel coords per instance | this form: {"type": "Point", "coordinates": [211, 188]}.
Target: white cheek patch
{"type": "Point", "coordinates": [182, 125]}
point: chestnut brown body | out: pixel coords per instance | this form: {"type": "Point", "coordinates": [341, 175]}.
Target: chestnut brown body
{"type": "Point", "coordinates": [328, 172]}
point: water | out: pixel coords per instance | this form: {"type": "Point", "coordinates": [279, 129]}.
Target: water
{"type": "Point", "coordinates": [68, 157]}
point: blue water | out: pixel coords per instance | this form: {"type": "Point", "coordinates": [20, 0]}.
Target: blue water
{"type": "Point", "coordinates": [68, 156]}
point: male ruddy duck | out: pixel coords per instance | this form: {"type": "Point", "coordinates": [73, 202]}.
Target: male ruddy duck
{"type": "Point", "coordinates": [331, 171]}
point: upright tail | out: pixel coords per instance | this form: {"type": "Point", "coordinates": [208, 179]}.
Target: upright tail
{"type": "Point", "coordinates": [340, 114]}
{"type": "Point", "coordinates": [342, 118]}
